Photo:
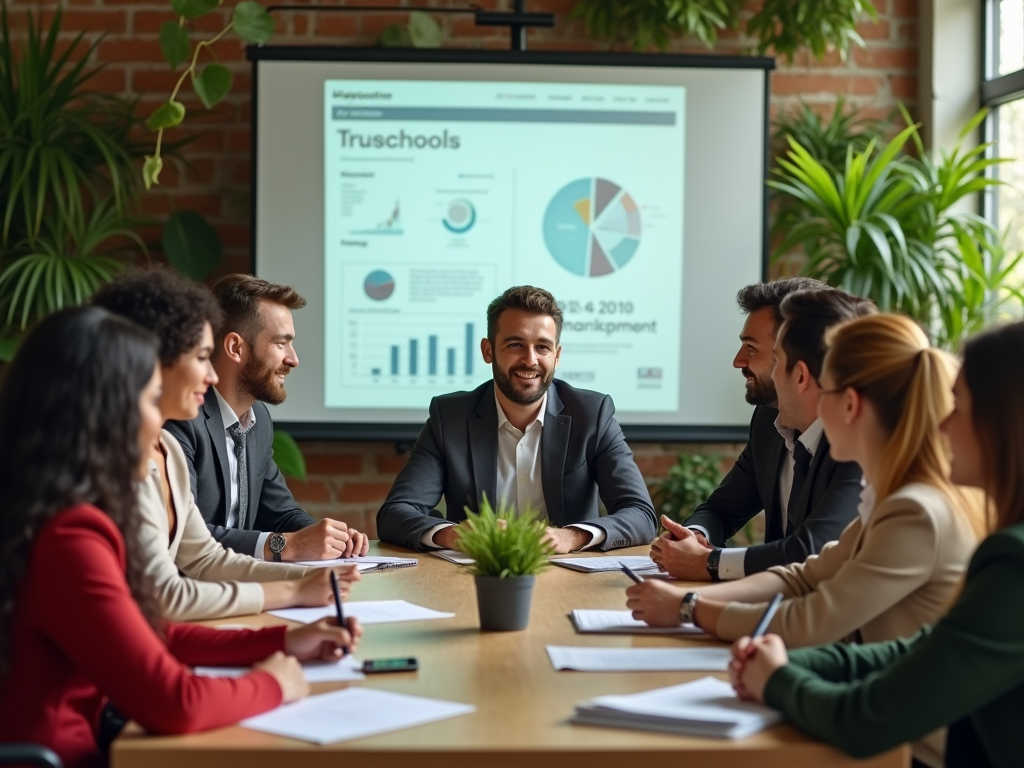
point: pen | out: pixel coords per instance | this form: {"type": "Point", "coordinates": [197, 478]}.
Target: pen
{"type": "Point", "coordinates": [337, 608]}
{"type": "Point", "coordinates": [631, 573]}
{"type": "Point", "coordinates": [769, 614]}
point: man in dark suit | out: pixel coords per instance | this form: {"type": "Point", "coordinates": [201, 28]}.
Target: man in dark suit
{"type": "Point", "coordinates": [523, 440]}
{"type": "Point", "coordinates": [785, 468]}
{"type": "Point", "coordinates": [229, 445]}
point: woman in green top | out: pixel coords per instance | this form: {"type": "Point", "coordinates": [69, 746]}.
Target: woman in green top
{"type": "Point", "coordinates": [966, 671]}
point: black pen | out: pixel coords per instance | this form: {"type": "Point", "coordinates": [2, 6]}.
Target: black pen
{"type": "Point", "coordinates": [769, 614]}
{"type": "Point", "coordinates": [337, 608]}
{"type": "Point", "coordinates": [630, 572]}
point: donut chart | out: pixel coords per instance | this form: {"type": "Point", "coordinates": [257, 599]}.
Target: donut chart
{"type": "Point", "coordinates": [592, 227]}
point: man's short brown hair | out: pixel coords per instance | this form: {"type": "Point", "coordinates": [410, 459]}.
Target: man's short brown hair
{"type": "Point", "coordinates": [809, 315]}
{"type": "Point", "coordinates": [529, 299]}
{"type": "Point", "coordinates": [240, 296]}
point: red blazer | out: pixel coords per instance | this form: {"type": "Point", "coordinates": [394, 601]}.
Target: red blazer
{"type": "Point", "coordinates": [79, 638]}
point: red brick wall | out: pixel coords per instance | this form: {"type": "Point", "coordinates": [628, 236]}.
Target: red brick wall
{"type": "Point", "coordinates": [349, 480]}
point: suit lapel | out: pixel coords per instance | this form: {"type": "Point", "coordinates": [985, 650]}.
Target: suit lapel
{"type": "Point", "coordinates": [554, 443]}
{"type": "Point", "coordinates": [483, 447]}
{"type": "Point", "coordinates": [773, 524]}
{"type": "Point", "coordinates": [215, 426]}
{"type": "Point", "coordinates": [797, 515]}
{"type": "Point", "coordinates": [254, 449]}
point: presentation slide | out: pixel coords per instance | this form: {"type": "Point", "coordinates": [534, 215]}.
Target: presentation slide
{"type": "Point", "coordinates": [439, 196]}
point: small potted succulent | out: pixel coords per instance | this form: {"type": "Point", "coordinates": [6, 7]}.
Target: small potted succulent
{"type": "Point", "coordinates": [509, 551]}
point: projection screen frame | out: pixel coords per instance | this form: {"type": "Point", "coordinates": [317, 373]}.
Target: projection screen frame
{"type": "Point", "coordinates": [407, 432]}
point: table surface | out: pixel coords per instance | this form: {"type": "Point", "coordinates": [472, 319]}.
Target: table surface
{"type": "Point", "coordinates": [522, 704]}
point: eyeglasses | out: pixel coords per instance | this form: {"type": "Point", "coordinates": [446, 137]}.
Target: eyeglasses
{"type": "Point", "coordinates": [831, 391]}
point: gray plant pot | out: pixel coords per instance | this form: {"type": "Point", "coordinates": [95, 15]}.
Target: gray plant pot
{"type": "Point", "coordinates": [504, 604]}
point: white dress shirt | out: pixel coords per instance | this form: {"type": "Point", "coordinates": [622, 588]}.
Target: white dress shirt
{"type": "Point", "coordinates": [730, 566]}
{"type": "Point", "coordinates": [520, 479]}
{"type": "Point", "coordinates": [247, 422]}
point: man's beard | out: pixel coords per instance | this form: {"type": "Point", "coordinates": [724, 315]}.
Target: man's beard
{"type": "Point", "coordinates": [503, 380]}
{"type": "Point", "coordinates": [761, 392]}
{"type": "Point", "coordinates": [257, 380]}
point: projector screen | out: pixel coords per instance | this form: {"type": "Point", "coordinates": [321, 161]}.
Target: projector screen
{"type": "Point", "coordinates": [401, 191]}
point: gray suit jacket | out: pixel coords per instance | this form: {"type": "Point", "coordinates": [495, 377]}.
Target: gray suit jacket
{"type": "Point", "coordinates": [271, 505]}
{"type": "Point", "coordinates": [826, 505]}
{"type": "Point", "coordinates": [583, 455]}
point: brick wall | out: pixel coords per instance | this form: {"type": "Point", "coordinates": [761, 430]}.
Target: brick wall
{"type": "Point", "coordinates": [348, 480]}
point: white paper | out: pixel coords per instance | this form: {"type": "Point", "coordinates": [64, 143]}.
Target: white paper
{"type": "Point", "coordinates": [707, 707]}
{"type": "Point", "coordinates": [363, 563]}
{"type": "Point", "coordinates": [352, 714]}
{"type": "Point", "coordinates": [367, 611]}
{"type": "Point", "coordinates": [453, 556]}
{"type": "Point", "coordinates": [639, 659]}
{"type": "Point", "coordinates": [622, 623]}
{"type": "Point", "coordinates": [596, 564]}
{"type": "Point", "coordinates": [347, 668]}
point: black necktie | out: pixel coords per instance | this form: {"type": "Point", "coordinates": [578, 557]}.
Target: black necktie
{"type": "Point", "coordinates": [801, 463]}
{"type": "Point", "coordinates": [238, 436]}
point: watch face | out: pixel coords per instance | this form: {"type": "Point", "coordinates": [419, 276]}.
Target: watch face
{"type": "Point", "coordinates": [276, 543]}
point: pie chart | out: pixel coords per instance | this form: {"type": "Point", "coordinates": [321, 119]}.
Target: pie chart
{"type": "Point", "coordinates": [379, 285]}
{"type": "Point", "coordinates": [592, 227]}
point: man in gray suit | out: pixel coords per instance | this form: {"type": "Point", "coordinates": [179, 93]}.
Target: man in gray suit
{"type": "Point", "coordinates": [229, 445]}
{"type": "Point", "coordinates": [525, 440]}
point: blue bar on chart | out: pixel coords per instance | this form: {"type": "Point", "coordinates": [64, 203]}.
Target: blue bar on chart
{"type": "Point", "coordinates": [469, 349]}
{"type": "Point", "coordinates": [451, 361]}
{"type": "Point", "coordinates": [375, 371]}
{"type": "Point", "coordinates": [432, 356]}
{"type": "Point", "coordinates": [413, 356]}
{"type": "Point", "coordinates": [394, 360]}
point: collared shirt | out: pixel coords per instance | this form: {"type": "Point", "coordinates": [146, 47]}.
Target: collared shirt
{"type": "Point", "coordinates": [520, 478]}
{"type": "Point", "coordinates": [730, 566]}
{"type": "Point", "coordinates": [247, 422]}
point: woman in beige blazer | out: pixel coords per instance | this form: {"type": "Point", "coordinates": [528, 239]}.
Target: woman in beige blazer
{"type": "Point", "coordinates": [898, 565]}
{"type": "Point", "coordinates": [193, 576]}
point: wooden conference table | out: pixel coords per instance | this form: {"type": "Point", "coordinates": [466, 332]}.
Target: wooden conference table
{"type": "Point", "coordinates": [523, 705]}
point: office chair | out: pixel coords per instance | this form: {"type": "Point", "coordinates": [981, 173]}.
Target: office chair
{"type": "Point", "coordinates": [29, 755]}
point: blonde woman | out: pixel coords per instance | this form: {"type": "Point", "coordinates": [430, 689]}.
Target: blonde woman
{"type": "Point", "coordinates": [897, 566]}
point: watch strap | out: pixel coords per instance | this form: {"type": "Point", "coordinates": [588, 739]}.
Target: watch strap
{"type": "Point", "coordinates": [686, 608]}
{"type": "Point", "coordinates": [714, 557]}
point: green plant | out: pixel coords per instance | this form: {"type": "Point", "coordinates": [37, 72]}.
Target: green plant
{"type": "Point", "coordinates": [784, 26]}
{"type": "Point", "coordinates": [828, 139]}
{"type": "Point", "coordinates": [288, 456]}
{"type": "Point", "coordinates": [688, 484]}
{"type": "Point", "coordinates": [249, 20]}
{"type": "Point", "coordinates": [420, 32]}
{"type": "Point", "coordinates": [504, 544]}
{"type": "Point", "coordinates": [887, 226]}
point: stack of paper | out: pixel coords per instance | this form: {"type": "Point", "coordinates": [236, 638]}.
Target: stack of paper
{"type": "Point", "coordinates": [639, 659]}
{"type": "Point", "coordinates": [623, 623]}
{"type": "Point", "coordinates": [367, 611]}
{"type": "Point", "coordinates": [352, 714]}
{"type": "Point", "coordinates": [347, 668]}
{"type": "Point", "coordinates": [453, 556]}
{"type": "Point", "coordinates": [597, 564]}
{"type": "Point", "coordinates": [363, 563]}
{"type": "Point", "coordinates": [705, 707]}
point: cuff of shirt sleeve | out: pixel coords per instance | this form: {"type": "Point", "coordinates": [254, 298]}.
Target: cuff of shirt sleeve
{"type": "Point", "coordinates": [702, 530]}
{"type": "Point", "coordinates": [597, 535]}
{"type": "Point", "coordinates": [730, 566]}
{"type": "Point", "coordinates": [427, 539]}
{"type": "Point", "coordinates": [261, 544]}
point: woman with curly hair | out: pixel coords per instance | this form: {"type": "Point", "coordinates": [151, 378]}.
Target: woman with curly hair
{"type": "Point", "coordinates": [193, 576]}
{"type": "Point", "coordinates": [78, 624]}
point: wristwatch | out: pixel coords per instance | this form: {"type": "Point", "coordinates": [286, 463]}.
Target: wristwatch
{"type": "Point", "coordinates": [687, 607]}
{"type": "Point", "coordinates": [712, 563]}
{"type": "Point", "coordinates": [276, 542]}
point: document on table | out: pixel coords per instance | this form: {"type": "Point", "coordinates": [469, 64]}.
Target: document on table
{"type": "Point", "coordinates": [622, 623]}
{"type": "Point", "coordinates": [363, 563]}
{"type": "Point", "coordinates": [367, 611]}
{"type": "Point", "coordinates": [352, 714]}
{"type": "Point", "coordinates": [453, 556]}
{"type": "Point", "coordinates": [639, 659]}
{"type": "Point", "coordinates": [347, 668]}
{"type": "Point", "coordinates": [705, 707]}
{"type": "Point", "coordinates": [598, 564]}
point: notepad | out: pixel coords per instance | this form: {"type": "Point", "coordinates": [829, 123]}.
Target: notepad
{"type": "Point", "coordinates": [589, 621]}
{"type": "Point", "coordinates": [352, 714]}
{"type": "Point", "coordinates": [705, 707]}
{"type": "Point", "coordinates": [453, 556]}
{"type": "Point", "coordinates": [598, 564]}
{"type": "Point", "coordinates": [367, 611]}
{"type": "Point", "coordinates": [364, 564]}
{"type": "Point", "coordinates": [347, 668]}
{"type": "Point", "coordinates": [639, 659]}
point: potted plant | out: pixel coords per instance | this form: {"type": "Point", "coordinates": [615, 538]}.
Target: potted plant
{"type": "Point", "coordinates": [509, 551]}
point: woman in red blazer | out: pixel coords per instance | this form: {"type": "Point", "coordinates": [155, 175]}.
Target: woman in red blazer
{"type": "Point", "coordinates": [78, 410]}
